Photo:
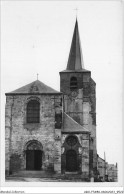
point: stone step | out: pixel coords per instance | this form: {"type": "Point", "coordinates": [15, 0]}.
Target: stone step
{"type": "Point", "coordinates": [71, 173]}
{"type": "Point", "coordinates": [49, 174]}
{"type": "Point", "coordinates": [27, 173]}
{"type": "Point", "coordinates": [33, 172]}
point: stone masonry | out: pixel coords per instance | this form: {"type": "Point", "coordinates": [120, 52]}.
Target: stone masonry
{"type": "Point", "coordinates": [18, 132]}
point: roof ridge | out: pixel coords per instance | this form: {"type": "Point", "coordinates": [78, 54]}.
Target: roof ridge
{"type": "Point", "coordinates": [34, 87]}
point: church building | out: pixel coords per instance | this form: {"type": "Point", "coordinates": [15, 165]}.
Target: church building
{"type": "Point", "coordinates": [48, 130]}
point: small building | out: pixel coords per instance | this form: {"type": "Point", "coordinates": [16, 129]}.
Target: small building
{"type": "Point", "coordinates": [106, 172]}
{"type": "Point", "coordinates": [112, 172]}
{"type": "Point", "coordinates": [101, 168]}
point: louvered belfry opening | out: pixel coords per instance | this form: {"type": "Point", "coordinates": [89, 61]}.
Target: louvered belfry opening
{"type": "Point", "coordinates": [73, 83]}
{"type": "Point", "coordinates": [33, 111]}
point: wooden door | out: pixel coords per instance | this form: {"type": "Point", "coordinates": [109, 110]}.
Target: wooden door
{"type": "Point", "coordinates": [38, 160]}
{"type": "Point", "coordinates": [33, 160]}
{"type": "Point", "coordinates": [30, 160]}
{"type": "Point", "coordinates": [71, 161]}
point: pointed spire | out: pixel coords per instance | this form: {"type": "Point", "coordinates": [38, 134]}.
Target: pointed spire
{"type": "Point", "coordinates": [75, 61]}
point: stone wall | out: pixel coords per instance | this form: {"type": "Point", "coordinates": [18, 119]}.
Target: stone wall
{"type": "Point", "coordinates": [73, 106]}
{"type": "Point", "coordinates": [57, 157]}
{"type": "Point", "coordinates": [18, 132]}
{"type": "Point", "coordinates": [85, 155]}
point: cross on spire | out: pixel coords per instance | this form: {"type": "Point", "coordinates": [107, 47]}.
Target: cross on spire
{"type": "Point", "coordinates": [37, 76]}
{"type": "Point", "coordinates": [76, 11]}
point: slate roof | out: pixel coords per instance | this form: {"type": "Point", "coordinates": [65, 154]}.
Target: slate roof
{"type": "Point", "coordinates": [70, 125]}
{"type": "Point", "coordinates": [36, 87]}
{"type": "Point", "coordinates": [99, 158]}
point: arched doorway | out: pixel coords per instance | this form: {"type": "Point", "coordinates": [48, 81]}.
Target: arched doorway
{"type": "Point", "coordinates": [34, 156]}
{"type": "Point", "coordinates": [71, 161]}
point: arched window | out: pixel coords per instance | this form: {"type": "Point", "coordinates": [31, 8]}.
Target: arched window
{"type": "Point", "coordinates": [33, 111]}
{"type": "Point", "coordinates": [73, 83]}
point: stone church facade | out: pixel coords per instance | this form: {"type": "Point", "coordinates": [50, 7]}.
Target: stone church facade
{"type": "Point", "coordinates": [47, 130]}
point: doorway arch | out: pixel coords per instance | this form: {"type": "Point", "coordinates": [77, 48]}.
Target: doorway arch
{"type": "Point", "coordinates": [34, 155]}
{"type": "Point", "coordinates": [71, 161]}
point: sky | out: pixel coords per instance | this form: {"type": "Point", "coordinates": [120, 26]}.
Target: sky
{"type": "Point", "coordinates": [36, 38]}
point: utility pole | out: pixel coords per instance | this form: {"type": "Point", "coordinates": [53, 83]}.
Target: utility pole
{"type": "Point", "coordinates": [105, 169]}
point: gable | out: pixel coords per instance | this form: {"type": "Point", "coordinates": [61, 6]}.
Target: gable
{"type": "Point", "coordinates": [36, 87]}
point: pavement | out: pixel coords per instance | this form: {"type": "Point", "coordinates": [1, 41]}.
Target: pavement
{"type": "Point", "coordinates": [25, 179]}
{"type": "Point", "coordinates": [43, 176]}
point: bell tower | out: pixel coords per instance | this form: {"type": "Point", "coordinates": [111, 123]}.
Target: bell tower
{"type": "Point", "coordinates": [79, 93]}
{"type": "Point", "coordinates": [75, 81]}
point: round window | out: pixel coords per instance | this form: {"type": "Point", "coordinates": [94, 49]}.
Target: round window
{"type": "Point", "coordinates": [71, 140]}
